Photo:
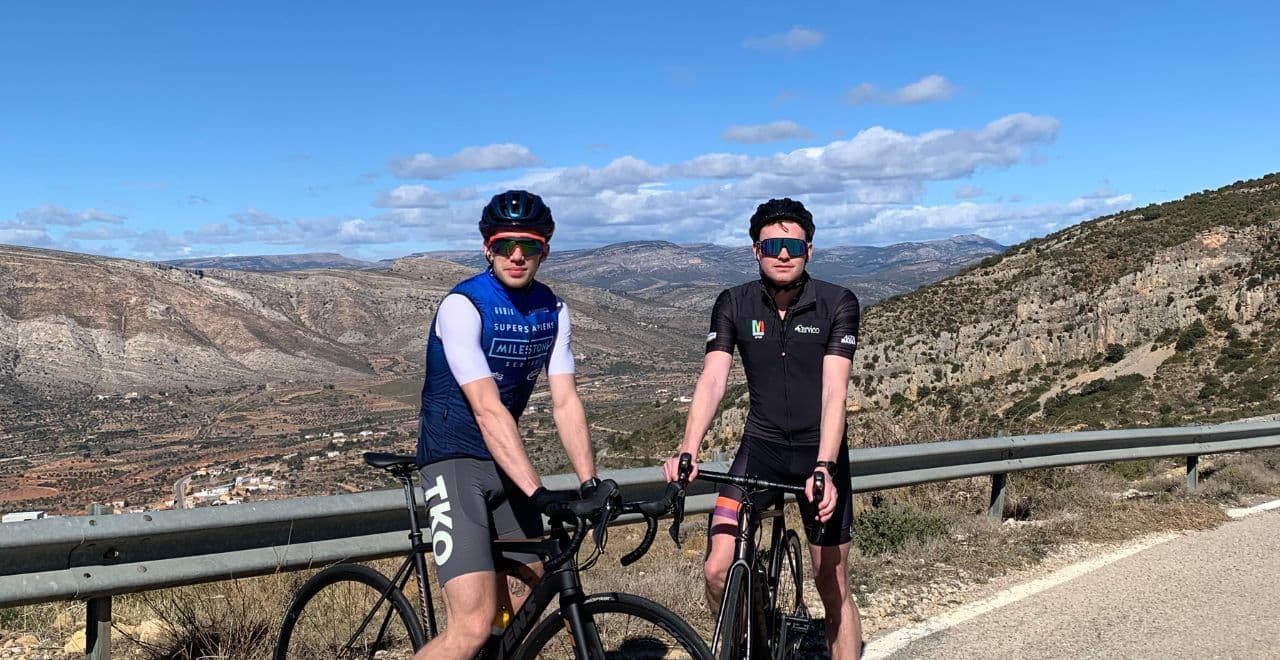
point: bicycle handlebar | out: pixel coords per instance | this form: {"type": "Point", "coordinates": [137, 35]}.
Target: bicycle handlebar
{"type": "Point", "coordinates": [603, 506]}
{"type": "Point", "coordinates": [651, 510]}
{"type": "Point", "coordinates": [749, 483]}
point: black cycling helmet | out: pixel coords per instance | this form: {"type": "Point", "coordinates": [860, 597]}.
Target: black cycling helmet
{"type": "Point", "coordinates": [517, 210]}
{"type": "Point", "coordinates": [781, 210]}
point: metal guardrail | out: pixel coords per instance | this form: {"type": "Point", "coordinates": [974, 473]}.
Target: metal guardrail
{"type": "Point", "coordinates": [95, 557]}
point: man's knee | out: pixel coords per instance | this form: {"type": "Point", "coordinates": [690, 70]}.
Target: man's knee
{"type": "Point", "coordinates": [473, 627]}
{"type": "Point", "coordinates": [714, 569]}
{"type": "Point", "coordinates": [719, 557]}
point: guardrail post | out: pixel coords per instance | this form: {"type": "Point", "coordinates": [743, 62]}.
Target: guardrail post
{"type": "Point", "coordinates": [97, 634]}
{"type": "Point", "coordinates": [1193, 473]}
{"type": "Point", "coordinates": [996, 507]}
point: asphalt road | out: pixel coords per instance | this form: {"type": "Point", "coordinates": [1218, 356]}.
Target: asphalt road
{"type": "Point", "coordinates": [1212, 594]}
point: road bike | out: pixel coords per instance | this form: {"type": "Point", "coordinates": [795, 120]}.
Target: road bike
{"type": "Point", "coordinates": [762, 613]}
{"type": "Point", "coordinates": [353, 611]}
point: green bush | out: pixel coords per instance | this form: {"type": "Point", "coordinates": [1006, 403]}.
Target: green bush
{"type": "Point", "coordinates": [1206, 303]}
{"type": "Point", "coordinates": [889, 527]}
{"type": "Point", "coordinates": [1115, 353]}
{"type": "Point", "coordinates": [1194, 333]}
{"type": "Point", "coordinates": [1131, 470]}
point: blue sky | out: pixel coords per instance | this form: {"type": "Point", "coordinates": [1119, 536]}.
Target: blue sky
{"type": "Point", "coordinates": [159, 130]}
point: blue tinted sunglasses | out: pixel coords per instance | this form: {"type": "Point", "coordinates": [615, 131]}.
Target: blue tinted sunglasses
{"type": "Point", "coordinates": [506, 246]}
{"type": "Point", "coordinates": [772, 247]}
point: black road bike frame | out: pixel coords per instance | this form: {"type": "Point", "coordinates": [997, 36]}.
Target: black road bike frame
{"type": "Point", "coordinates": [561, 577]}
{"type": "Point", "coordinates": [750, 518]}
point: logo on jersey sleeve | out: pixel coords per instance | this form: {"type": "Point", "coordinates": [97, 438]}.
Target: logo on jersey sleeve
{"type": "Point", "coordinates": [851, 340]}
{"type": "Point", "coordinates": [757, 329]}
{"type": "Point", "coordinates": [711, 336]}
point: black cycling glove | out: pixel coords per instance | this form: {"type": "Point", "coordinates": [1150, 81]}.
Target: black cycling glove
{"type": "Point", "coordinates": [549, 501]}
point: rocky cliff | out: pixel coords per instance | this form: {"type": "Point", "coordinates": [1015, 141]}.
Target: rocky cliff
{"type": "Point", "coordinates": [1207, 265]}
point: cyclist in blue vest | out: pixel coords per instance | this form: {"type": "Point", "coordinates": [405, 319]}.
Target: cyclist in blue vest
{"type": "Point", "coordinates": [491, 337]}
{"type": "Point", "coordinates": [797, 336]}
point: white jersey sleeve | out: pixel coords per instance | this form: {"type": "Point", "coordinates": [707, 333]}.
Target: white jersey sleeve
{"type": "Point", "coordinates": [561, 361]}
{"type": "Point", "coordinates": [458, 327]}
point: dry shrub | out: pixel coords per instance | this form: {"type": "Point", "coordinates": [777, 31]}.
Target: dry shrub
{"type": "Point", "coordinates": [1249, 478]}
{"type": "Point", "coordinates": [219, 620]}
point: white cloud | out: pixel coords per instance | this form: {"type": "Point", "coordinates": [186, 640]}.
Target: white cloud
{"type": "Point", "coordinates": [52, 214]}
{"type": "Point", "coordinates": [777, 131]}
{"type": "Point", "coordinates": [929, 89]}
{"type": "Point", "coordinates": [876, 154]}
{"type": "Point", "coordinates": [361, 232]}
{"type": "Point", "coordinates": [102, 233]}
{"type": "Point", "coordinates": [411, 197]}
{"type": "Point", "coordinates": [794, 40]}
{"type": "Point", "coordinates": [216, 233]}
{"type": "Point", "coordinates": [863, 93]}
{"type": "Point", "coordinates": [256, 218]}
{"type": "Point", "coordinates": [1006, 224]}
{"type": "Point", "coordinates": [926, 90]}
{"type": "Point", "coordinates": [23, 235]}
{"type": "Point", "coordinates": [471, 159]}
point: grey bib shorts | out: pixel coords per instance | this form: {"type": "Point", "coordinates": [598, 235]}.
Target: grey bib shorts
{"type": "Point", "coordinates": [470, 503]}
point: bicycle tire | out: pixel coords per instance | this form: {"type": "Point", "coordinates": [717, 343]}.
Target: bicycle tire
{"type": "Point", "coordinates": [734, 616]}
{"type": "Point", "coordinates": [615, 616]}
{"type": "Point", "coordinates": [788, 594]}
{"type": "Point", "coordinates": [345, 594]}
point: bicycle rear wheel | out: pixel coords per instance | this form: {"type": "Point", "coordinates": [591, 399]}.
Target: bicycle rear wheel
{"type": "Point", "coordinates": [629, 627]}
{"type": "Point", "coordinates": [341, 613]}
{"type": "Point", "coordinates": [734, 617]}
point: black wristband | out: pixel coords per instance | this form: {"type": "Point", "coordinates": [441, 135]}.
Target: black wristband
{"type": "Point", "coordinates": [830, 465]}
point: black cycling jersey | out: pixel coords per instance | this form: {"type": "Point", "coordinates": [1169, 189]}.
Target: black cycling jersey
{"type": "Point", "coordinates": [783, 357]}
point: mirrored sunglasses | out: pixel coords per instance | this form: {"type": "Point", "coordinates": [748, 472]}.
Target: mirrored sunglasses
{"type": "Point", "coordinates": [772, 247]}
{"type": "Point", "coordinates": [506, 246]}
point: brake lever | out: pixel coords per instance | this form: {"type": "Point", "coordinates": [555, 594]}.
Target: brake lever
{"type": "Point", "coordinates": [602, 525]}
{"type": "Point", "coordinates": [677, 507]}
{"type": "Point", "coordinates": [819, 492]}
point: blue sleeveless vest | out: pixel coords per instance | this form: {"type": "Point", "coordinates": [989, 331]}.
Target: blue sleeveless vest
{"type": "Point", "coordinates": [517, 332]}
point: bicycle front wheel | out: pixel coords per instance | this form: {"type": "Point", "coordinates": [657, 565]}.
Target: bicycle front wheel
{"type": "Point", "coordinates": [629, 627]}
{"type": "Point", "coordinates": [788, 596]}
{"type": "Point", "coordinates": [734, 617]}
{"type": "Point", "coordinates": [349, 611]}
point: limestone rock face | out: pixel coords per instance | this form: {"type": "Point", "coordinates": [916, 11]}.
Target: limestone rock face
{"type": "Point", "coordinates": [1123, 279]}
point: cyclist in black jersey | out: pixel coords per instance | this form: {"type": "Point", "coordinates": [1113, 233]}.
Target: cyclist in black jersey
{"type": "Point", "coordinates": [797, 336]}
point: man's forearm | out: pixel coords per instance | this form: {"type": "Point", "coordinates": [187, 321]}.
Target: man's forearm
{"type": "Point", "coordinates": [831, 426]}
{"type": "Point", "coordinates": [571, 422]}
{"type": "Point", "coordinates": [835, 387]}
{"type": "Point", "coordinates": [502, 437]}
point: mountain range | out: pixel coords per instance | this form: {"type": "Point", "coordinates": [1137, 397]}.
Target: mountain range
{"type": "Point", "coordinates": [1163, 314]}
{"type": "Point", "coordinates": [75, 323]}
{"type": "Point", "coordinates": [690, 274]}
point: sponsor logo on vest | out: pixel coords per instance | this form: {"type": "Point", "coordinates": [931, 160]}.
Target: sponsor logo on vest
{"type": "Point", "coordinates": [519, 348]}
{"type": "Point", "coordinates": [757, 329]}
{"type": "Point", "coordinates": [441, 523]}
{"type": "Point", "coordinates": [808, 329]}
